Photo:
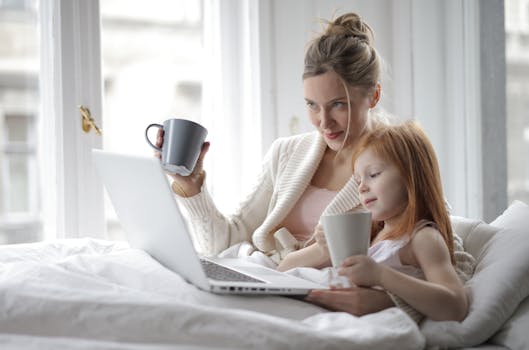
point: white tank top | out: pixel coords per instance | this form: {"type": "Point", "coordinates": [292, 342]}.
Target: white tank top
{"type": "Point", "coordinates": [387, 252]}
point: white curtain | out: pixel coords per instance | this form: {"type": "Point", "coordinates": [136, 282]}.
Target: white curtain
{"type": "Point", "coordinates": [231, 100]}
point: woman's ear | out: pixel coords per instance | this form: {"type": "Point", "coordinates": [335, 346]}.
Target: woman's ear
{"type": "Point", "coordinates": [376, 96]}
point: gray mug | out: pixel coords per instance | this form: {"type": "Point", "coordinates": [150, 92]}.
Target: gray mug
{"type": "Point", "coordinates": [182, 143]}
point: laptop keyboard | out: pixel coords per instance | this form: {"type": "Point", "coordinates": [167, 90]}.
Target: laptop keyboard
{"type": "Point", "coordinates": [222, 273]}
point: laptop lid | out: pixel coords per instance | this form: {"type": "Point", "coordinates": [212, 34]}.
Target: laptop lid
{"type": "Point", "coordinates": [148, 213]}
{"type": "Point", "coordinates": [142, 198]}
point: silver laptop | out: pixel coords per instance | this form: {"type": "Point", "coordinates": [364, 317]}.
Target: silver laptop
{"type": "Point", "coordinates": [149, 214]}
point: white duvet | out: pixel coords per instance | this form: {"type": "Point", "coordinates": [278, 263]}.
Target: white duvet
{"type": "Point", "coordinates": [91, 294]}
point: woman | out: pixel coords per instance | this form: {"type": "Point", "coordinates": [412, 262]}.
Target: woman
{"type": "Point", "coordinates": [305, 175]}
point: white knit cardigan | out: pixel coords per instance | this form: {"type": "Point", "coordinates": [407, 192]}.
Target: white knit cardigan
{"type": "Point", "coordinates": [287, 170]}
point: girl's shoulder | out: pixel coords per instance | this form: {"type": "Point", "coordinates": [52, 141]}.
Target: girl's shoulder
{"type": "Point", "coordinates": [427, 239]}
{"type": "Point", "coordinates": [423, 224]}
{"type": "Point", "coordinates": [424, 240]}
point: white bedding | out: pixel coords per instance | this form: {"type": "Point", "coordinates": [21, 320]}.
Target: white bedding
{"type": "Point", "coordinates": [91, 294]}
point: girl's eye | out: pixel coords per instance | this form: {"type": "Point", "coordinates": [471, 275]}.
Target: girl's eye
{"type": "Point", "coordinates": [373, 175]}
{"type": "Point", "coordinates": [338, 104]}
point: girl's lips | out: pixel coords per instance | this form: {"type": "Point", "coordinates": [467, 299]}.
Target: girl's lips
{"type": "Point", "coordinates": [367, 202]}
{"type": "Point", "coordinates": [333, 135]}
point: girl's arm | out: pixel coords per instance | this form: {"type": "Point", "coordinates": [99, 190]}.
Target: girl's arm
{"type": "Point", "coordinates": [440, 297]}
{"type": "Point", "coordinates": [315, 255]}
{"type": "Point", "coordinates": [310, 256]}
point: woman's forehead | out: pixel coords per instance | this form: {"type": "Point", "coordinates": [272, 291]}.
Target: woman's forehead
{"type": "Point", "coordinates": [326, 87]}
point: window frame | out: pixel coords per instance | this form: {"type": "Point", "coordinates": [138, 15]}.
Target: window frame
{"type": "Point", "coordinates": [72, 194]}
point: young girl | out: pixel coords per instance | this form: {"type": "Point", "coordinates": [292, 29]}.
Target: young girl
{"type": "Point", "coordinates": [411, 253]}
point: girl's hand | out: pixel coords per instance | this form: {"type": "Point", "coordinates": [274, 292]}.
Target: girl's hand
{"type": "Point", "coordinates": [321, 242]}
{"type": "Point", "coordinates": [361, 270]}
{"type": "Point", "coordinates": [186, 186]}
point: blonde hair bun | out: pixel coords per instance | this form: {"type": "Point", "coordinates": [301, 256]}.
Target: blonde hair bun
{"type": "Point", "coordinates": [351, 25]}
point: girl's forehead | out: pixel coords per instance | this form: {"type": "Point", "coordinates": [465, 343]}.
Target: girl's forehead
{"type": "Point", "coordinates": [368, 159]}
{"type": "Point", "coordinates": [367, 156]}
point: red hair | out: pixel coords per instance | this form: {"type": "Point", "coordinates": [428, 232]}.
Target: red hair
{"type": "Point", "coordinates": [407, 147]}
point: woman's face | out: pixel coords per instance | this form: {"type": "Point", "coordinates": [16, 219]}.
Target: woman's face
{"type": "Point", "coordinates": [327, 107]}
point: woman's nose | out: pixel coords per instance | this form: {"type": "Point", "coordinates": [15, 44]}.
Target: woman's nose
{"type": "Point", "coordinates": [325, 119]}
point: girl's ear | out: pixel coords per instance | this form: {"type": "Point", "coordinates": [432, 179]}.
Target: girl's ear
{"type": "Point", "coordinates": [376, 96]}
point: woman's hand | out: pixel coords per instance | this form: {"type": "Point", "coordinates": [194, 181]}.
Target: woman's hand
{"type": "Point", "coordinates": [357, 301]}
{"type": "Point", "coordinates": [361, 270]}
{"type": "Point", "coordinates": [186, 186]}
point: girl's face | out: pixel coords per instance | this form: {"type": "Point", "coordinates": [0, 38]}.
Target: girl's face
{"type": "Point", "coordinates": [327, 108]}
{"type": "Point", "coordinates": [381, 187]}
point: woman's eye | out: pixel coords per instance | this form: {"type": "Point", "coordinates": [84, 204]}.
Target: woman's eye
{"type": "Point", "coordinates": [311, 105]}
{"type": "Point", "coordinates": [338, 104]}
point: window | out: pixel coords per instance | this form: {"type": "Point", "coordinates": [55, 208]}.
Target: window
{"type": "Point", "coordinates": [149, 74]}
{"type": "Point", "coordinates": [517, 59]}
{"type": "Point", "coordinates": [246, 92]}
{"type": "Point", "coordinates": [19, 105]}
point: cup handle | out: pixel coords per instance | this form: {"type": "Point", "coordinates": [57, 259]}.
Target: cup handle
{"type": "Point", "coordinates": [147, 136]}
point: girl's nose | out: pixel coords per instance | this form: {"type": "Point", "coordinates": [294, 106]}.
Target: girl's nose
{"type": "Point", "coordinates": [362, 187]}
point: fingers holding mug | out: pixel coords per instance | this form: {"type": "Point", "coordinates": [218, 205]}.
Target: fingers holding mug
{"type": "Point", "coordinates": [159, 143]}
{"type": "Point", "coordinates": [159, 138]}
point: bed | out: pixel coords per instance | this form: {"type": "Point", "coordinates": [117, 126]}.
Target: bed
{"type": "Point", "coordinates": [96, 294]}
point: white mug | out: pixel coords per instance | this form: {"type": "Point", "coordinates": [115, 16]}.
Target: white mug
{"type": "Point", "coordinates": [347, 234]}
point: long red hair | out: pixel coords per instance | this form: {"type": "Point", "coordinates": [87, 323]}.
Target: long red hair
{"type": "Point", "coordinates": [407, 146]}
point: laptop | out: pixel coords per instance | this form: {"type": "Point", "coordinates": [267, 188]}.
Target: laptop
{"type": "Point", "coordinates": [148, 211]}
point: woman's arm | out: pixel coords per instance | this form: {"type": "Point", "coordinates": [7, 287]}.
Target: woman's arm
{"type": "Point", "coordinates": [440, 297]}
{"type": "Point", "coordinates": [357, 301]}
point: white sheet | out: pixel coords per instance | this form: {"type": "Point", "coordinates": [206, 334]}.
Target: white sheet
{"type": "Point", "coordinates": [90, 294]}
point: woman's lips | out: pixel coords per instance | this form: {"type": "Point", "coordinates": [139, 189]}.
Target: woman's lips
{"type": "Point", "coordinates": [333, 135]}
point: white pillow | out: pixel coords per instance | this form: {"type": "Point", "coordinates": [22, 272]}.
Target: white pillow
{"type": "Point", "coordinates": [498, 285]}
{"type": "Point", "coordinates": [474, 233]}
{"type": "Point", "coordinates": [513, 334]}
{"type": "Point", "coordinates": [514, 217]}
